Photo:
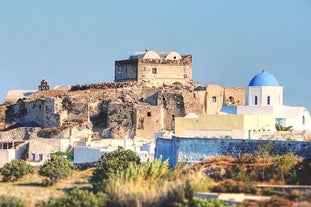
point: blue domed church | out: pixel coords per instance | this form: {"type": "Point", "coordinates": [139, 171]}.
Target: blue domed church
{"type": "Point", "coordinates": [264, 96]}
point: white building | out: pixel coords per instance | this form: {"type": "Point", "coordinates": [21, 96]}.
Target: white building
{"type": "Point", "coordinates": [264, 96]}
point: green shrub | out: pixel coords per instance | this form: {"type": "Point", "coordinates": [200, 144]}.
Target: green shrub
{"type": "Point", "coordinates": [56, 168]}
{"type": "Point", "coordinates": [152, 184]}
{"type": "Point", "coordinates": [15, 170]}
{"type": "Point", "coordinates": [139, 185]}
{"type": "Point", "coordinates": [201, 183]}
{"type": "Point", "coordinates": [110, 164]}
{"type": "Point", "coordinates": [198, 202]}
{"type": "Point", "coordinates": [283, 166]}
{"type": "Point", "coordinates": [11, 201]}
{"type": "Point", "coordinates": [77, 198]}
{"type": "Point", "coordinates": [66, 155]}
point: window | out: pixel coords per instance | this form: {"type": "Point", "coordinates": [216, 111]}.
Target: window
{"type": "Point", "coordinates": [268, 100]}
{"type": "Point", "coordinates": [214, 99]}
{"type": "Point", "coordinates": [173, 117]}
{"type": "Point", "coordinates": [33, 156]}
{"type": "Point", "coordinates": [40, 157]}
{"type": "Point", "coordinates": [149, 113]}
{"type": "Point", "coordinates": [303, 120]}
{"type": "Point", "coordinates": [154, 70]}
{"type": "Point", "coordinates": [256, 100]}
{"type": "Point", "coordinates": [231, 100]}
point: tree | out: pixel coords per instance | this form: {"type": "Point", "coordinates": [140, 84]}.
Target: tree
{"type": "Point", "coordinates": [284, 164]}
{"type": "Point", "coordinates": [111, 163]}
{"type": "Point", "coordinates": [264, 155]}
{"type": "Point", "coordinates": [15, 170]}
{"type": "Point", "coordinates": [56, 168]}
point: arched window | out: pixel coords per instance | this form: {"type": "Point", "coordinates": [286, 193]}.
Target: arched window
{"type": "Point", "coordinates": [268, 100]}
{"type": "Point", "coordinates": [256, 100]}
{"type": "Point", "coordinates": [303, 120]}
{"type": "Point", "coordinates": [231, 100]}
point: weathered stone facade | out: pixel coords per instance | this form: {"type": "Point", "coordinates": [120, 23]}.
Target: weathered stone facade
{"type": "Point", "coordinates": [118, 111]}
{"type": "Point", "coordinates": [234, 96]}
{"type": "Point", "coordinates": [154, 71]}
{"type": "Point", "coordinates": [218, 96]}
{"type": "Point", "coordinates": [38, 112]}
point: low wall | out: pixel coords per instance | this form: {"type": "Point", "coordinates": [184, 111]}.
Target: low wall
{"type": "Point", "coordinates": [191, 150]}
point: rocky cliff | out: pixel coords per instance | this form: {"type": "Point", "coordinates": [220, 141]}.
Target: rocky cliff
{"type": "Point", "coordinates": [116, 110]}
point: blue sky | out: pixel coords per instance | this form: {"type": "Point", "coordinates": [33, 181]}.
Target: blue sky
{"type": "Point", "coordinates": [77, 42]}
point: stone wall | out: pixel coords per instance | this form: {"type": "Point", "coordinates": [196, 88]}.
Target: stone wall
{"type": "Point", "coordinates": [125, 70]}
{"type": "Point", "coordinates": [234, 96]}
{"type": "Point", "coordinates": [214, 98]}
{"type": "Point", "coordinates": [218, 96]}
{"type": "Point", "coordinates": [149, 120]}
{"type": "Point", "coordinates": [38, 112]}
{"type": "Point", "coordinates": [191, 150]}
{"type": "Point", "coordinates": [121, 118]}
{"type": "Point", "coordinates": [21, 133]}
{"type": "Point", "coordinates": [155, 71]}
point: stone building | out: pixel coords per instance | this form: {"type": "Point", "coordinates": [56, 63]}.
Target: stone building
{"type": "Point", "coordinates": [38, 112]}
{"type": "Point", "coordinates": [155, 68]}
{"type": "Point", "coordinates": [44, 85]}
{"type": "Point", "coordinates": [218, 96]}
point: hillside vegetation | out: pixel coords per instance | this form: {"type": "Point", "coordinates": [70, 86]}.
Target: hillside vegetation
{"type": "Point", "coordinates": [120, 180]}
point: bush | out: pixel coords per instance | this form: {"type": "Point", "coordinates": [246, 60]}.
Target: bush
{"type": "Point", "coordinates": [12, 201]}
{"type": "Point", "coordinates": [66, 155]}
{"type": "Point", "coordinates": [15, 170]}
{"type": "Point", "coordinates": [110, 164]}
{"type": "Point", "coordinates": [283, 165]}
{"type": "Point", "coordinates": [77, 198]}
{"type": "Point", "coordinates": [55, 169]}
{"type": "Point", "coordinates": [274, 201]}
{"type": "Point", "coordinates": [198, 202]}
{"type": "Point", "coordinates": [201, 182]}
{"type": "Point", "coordinates": [247, 158]}
{"type": "Point", "coordinates": [230, 186]}
{"type": "Point", "coordinates": [139, 185]}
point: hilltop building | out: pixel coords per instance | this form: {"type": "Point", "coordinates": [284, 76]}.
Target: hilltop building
{"type": "Point", "coordinates": [155, 68]}
{"type": "Point", "coordinates": [14, 95]}
{"type": "Point", "coordinates": [44, 85]}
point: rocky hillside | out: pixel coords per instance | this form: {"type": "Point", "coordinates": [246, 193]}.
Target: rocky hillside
{"type": "Point", "coordinates": [116, 110]}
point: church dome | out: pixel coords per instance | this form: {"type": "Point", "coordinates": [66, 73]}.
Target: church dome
{"type": "Point", "coordinates": [264, 79]}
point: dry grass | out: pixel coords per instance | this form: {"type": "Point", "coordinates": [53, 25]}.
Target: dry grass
{"type": "Point", "coordinates": [30, 188]}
